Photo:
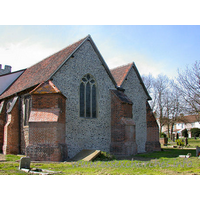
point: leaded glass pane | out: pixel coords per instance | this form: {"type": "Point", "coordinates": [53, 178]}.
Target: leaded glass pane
{"type": "Point", "coordinates": [94, 101]}
{"type": "Point", "coordinates": [88, 77]}
{"type": "Point", "coordinates": [82, 94]}
{"type": "Point", "coordinates": [84, 79]}
{"type": "Point", "coordinates": [88, 100]}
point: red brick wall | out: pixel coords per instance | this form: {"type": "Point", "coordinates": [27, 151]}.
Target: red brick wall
{"type": "Point", "coordinates": [152, 143]}
{"type": "Point", "coordinates": [11, 131]}
{"type": "Point", "coordinates": [2, 124]}
{"type": "Point", "coordinates": [46, 100]}
{"type": "Point", "coordinates": [122, 134]}
{"type": "Point", "coordinates": [47, 139]}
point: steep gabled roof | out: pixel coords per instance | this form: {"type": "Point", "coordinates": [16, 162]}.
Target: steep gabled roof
{"type": "Point", "coordinates": [120, 74]}
{"type": "Point", "coordinates": [189, 119]}
{"type": "Point", "coordinates": [45, 69]}
{"type": "Point", "coordinates": [42, 71]}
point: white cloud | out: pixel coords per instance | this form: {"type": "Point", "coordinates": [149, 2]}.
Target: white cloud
{"type": "Point", "coordinates": [115, 62]}
{"type": "Point", "coordinates": [24, 54]}
{"type": "Point", "coordinates": [144, 64]}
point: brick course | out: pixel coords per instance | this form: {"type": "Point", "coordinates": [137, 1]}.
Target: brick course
{"type": "Point", "coordinates": [47, 136]}
{"type": "Point", "coordinates": [123, 140]}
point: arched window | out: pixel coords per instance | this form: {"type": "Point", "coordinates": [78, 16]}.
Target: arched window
{"type": "Point", "coordinates": [88, 98]}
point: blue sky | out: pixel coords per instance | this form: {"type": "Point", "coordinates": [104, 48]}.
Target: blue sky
{"type": "Point", "coordinates": [154, 49]}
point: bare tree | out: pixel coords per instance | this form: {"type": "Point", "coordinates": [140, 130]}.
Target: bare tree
{"type": "Point", "coordinates": [161, 89]}
{"type": "Point", "coordinates": [158, 90]}
{"type": "Point", "coordinates": [149, 82]}
{"type": "Point", "coordinates": [176, 106]}
{"type": "Point", "coordinates": [189, 86]}
{"type": "Point", "coordinates": [166, 100]}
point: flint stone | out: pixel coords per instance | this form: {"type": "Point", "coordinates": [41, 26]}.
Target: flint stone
{"type": "Point", "coordinates": [25, 163]}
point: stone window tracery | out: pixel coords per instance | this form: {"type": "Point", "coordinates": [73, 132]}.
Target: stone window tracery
{"type": "Point", "coordinates": [88, 100]}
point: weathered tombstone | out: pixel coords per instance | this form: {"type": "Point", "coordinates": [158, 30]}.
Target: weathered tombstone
{"type": "Point", "coordinates": [25, 163]}
{"type": "Point", "coordinates": [197, 151]}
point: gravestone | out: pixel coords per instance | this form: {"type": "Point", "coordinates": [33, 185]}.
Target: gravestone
{"type": "Point", "coordinates": [197, 151]}
{"type": "Point", "coordinates": [86, 155]}
{"type": "Point", "coordinates": [25, 163]}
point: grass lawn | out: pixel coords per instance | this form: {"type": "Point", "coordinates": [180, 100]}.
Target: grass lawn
{"type": "Point", "coordinates": [192, 143]}
{"type": "Point", "coordinates": [155, 163]}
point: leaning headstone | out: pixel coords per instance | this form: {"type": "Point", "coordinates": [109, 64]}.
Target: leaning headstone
{"type": "Point", "coordinates": [197, 151]}
{"type": "Point", "coordinates": [25, 163]}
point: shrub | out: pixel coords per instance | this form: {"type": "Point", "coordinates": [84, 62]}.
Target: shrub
{"type": "Point", "coordinates": [185, 132]}
{"type": "Point", "coordinates": [195, 132]}
{"type": "Point", "coordinates": [163, 135]}
{"type": "Point", "coordinates": [104, 156]}
{"type": "Point", "coordinates": [179, 142]}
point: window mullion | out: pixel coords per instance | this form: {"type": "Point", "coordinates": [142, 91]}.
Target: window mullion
{"type": "Point", "coordinates": [85, 100]}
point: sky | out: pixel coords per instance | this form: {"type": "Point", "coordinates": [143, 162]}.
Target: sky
{"type": "Point", "coordinates": [155, 49]}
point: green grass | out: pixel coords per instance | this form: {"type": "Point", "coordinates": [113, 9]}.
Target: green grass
{"type": "Point", "coordinates": [193, 143]}
{"type": "Point", "coordinates": [154, 163]}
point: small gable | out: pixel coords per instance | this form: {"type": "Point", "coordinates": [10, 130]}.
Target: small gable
{"type": "Point", "coordinates": [120, 73]}
{"type": "Point", "coordinates": [46, 88]}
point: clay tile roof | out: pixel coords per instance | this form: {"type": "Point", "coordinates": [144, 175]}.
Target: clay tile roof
{"type": "Point", "coordinates": [120, 73]}
{"type": "Point", "coordinates": [189, 119]}
{"type": "Point", "coordinates": [41, 71]}
{"type": "Point", "coordinates": [45, 88]}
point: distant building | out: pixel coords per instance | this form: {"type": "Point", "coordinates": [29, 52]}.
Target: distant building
{"type": "Point", "coordinates": [187, 122]}
{"type": "Point", "coordinates": [6, 70]}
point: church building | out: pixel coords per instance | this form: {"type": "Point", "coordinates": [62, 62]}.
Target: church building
{"type": "Point", "coordinates": [71, 101]}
